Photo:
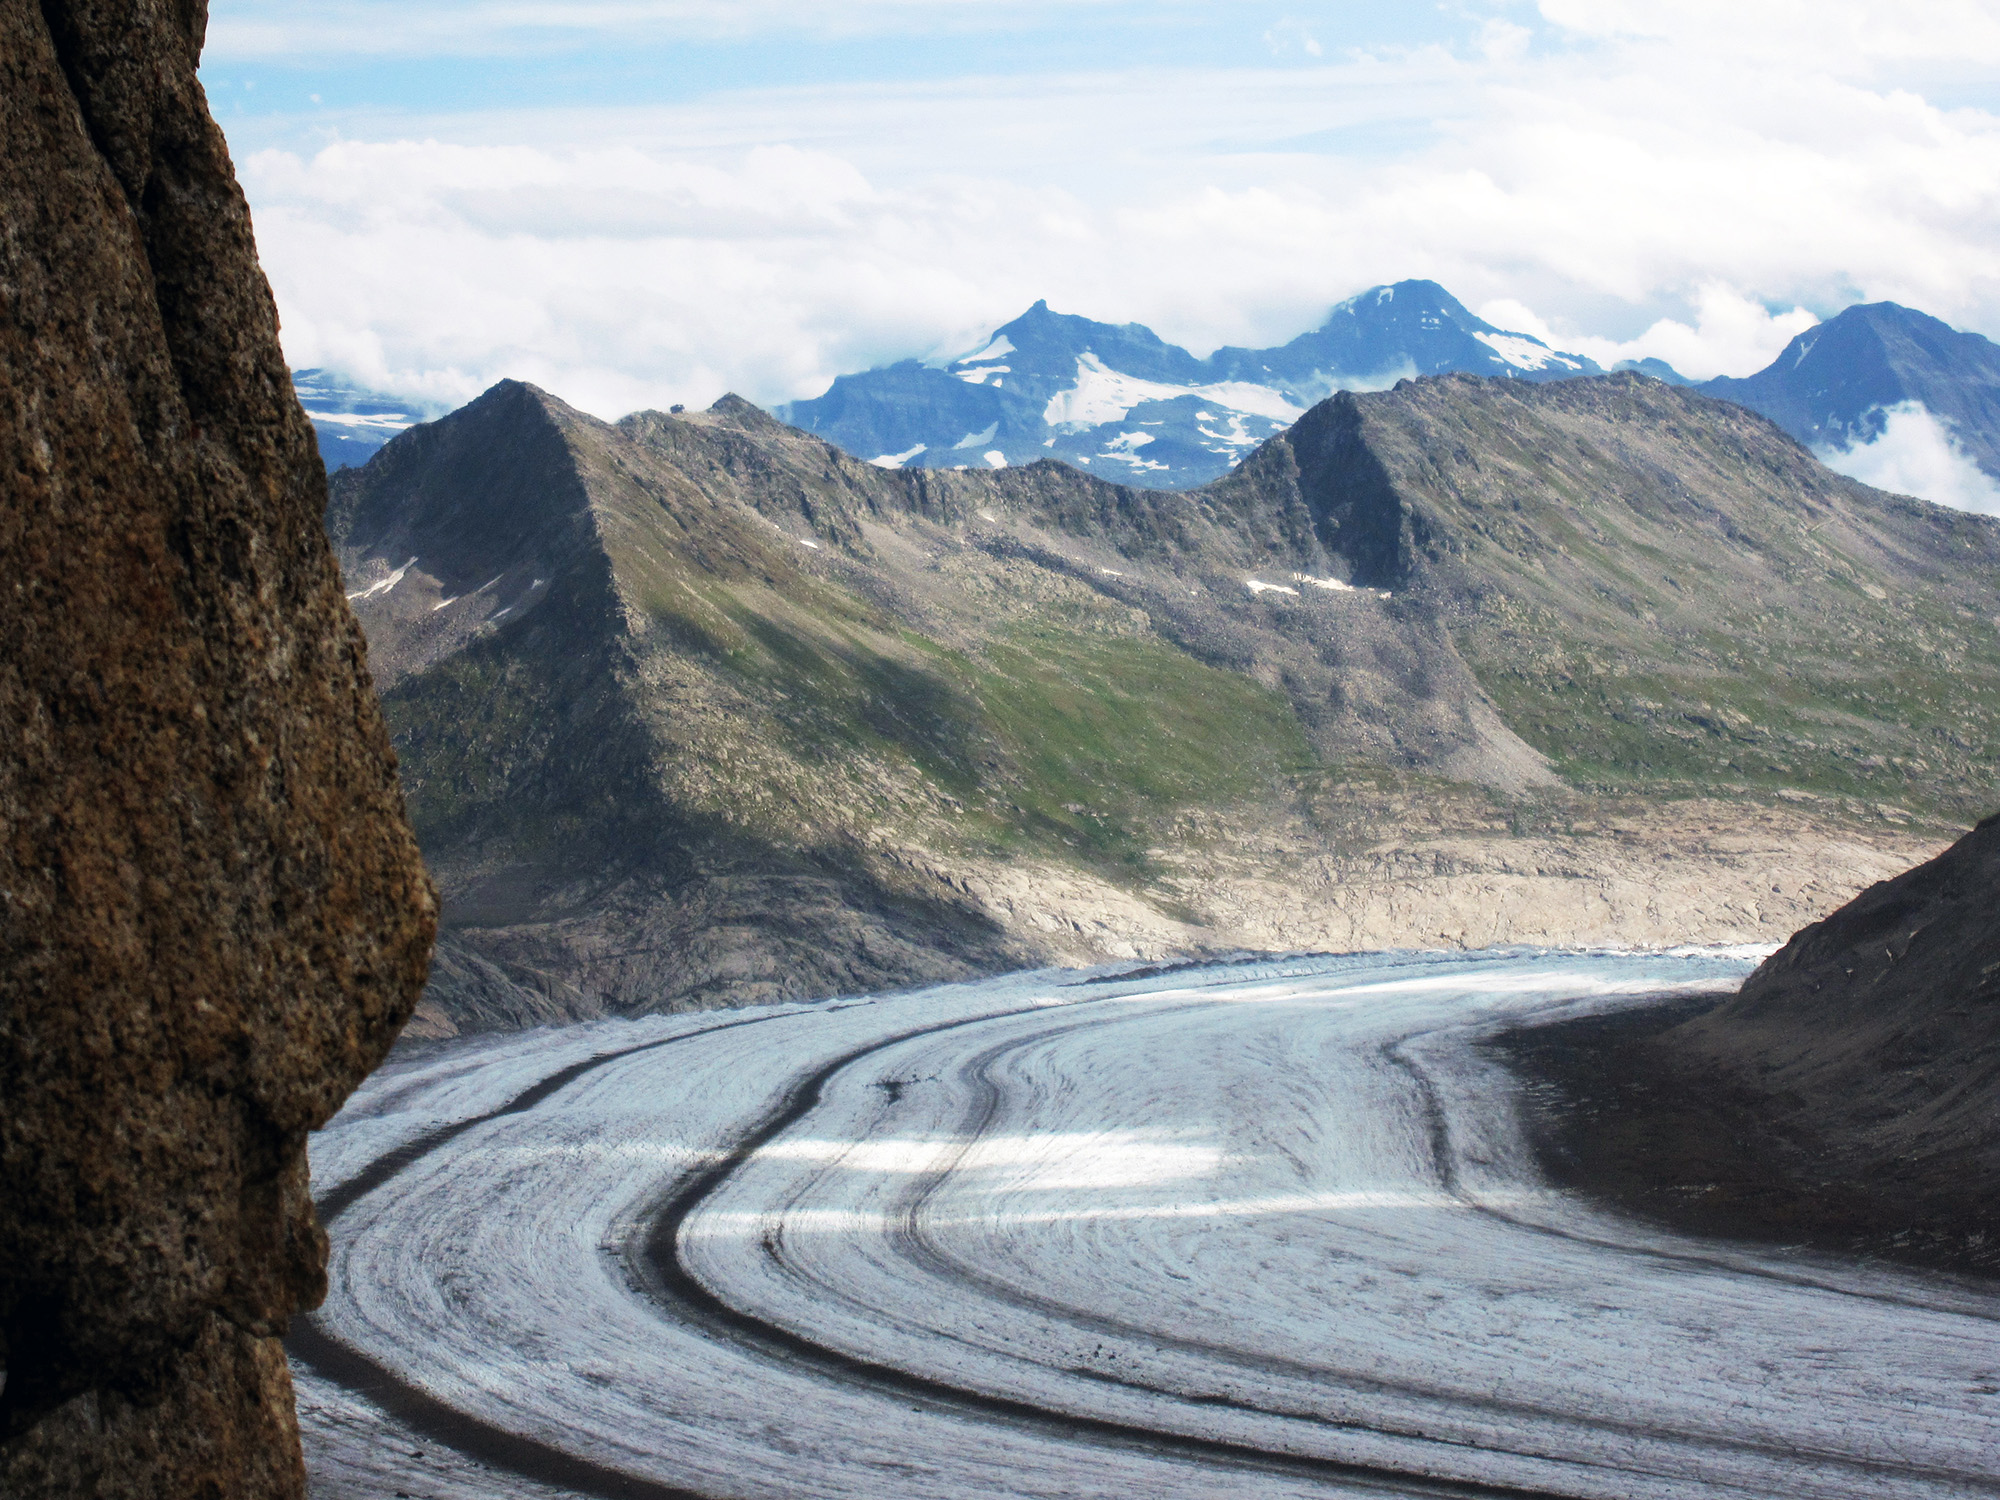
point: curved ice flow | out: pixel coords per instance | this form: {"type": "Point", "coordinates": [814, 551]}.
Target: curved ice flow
{"type": "Point", "coordinates": [1280, 1217]}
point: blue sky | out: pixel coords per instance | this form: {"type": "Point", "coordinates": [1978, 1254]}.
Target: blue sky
{"type": "Point", "coordinates": [322, 62]}
{"type": "Point", "coordinates": [634, 202]}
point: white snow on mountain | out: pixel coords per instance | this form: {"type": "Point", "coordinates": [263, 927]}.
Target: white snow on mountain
{"type": "Point", "coordinates": [384, 585]}
{"type": "Point", "coordinates": [390, 423]}
{"type": "Point", "coordinates": [1000, 348]}
{"type": "Point", "coordinates": [1102, 394]}
{"type": "Point", "coordinates": [1236, 437]}
{"type": "Point", "coordinates": [1525, 353]}
{"type": "Point", "coordinates": [897, 460]}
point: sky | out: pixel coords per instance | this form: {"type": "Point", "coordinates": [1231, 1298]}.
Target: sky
{"type": "Point", "coordinates": [644, 202]}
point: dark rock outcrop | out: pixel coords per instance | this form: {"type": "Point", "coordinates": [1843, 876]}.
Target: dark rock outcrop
{"type": "Point", "coordinates": [1847, 1096]}
{"type": "Point", "coordinates": [1875, 1035]}
{"type": "Point", "coordinates": [213, 919]}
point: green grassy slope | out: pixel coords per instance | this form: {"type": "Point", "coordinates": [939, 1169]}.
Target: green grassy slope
{"type": "Point", "coordinates": [1666, 594]}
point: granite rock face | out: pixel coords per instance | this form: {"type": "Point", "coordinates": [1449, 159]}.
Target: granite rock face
{"type": "Point", "coordinates": [213, 917]}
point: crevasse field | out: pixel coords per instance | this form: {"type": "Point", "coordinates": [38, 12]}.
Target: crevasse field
{"type": "Point", "coordinates": [1255, 1230]}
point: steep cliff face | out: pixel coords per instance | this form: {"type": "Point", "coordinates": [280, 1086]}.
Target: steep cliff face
{"type": "Point", "coordinates": [213, 919]}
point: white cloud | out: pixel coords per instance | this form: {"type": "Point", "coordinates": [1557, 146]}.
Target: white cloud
{"type": "Point", "coordinates": [1645, 191]}
{"type": "Point", "coordinates": [264, 30]}
{"type": "Point", "coordinates": [1730, 335]}
{"type": "Point", "coordinates": [1918, 454]}
{"type": "Point", "coordinates": [1290, 37]}
{"type": "Point", "coordinates": [1850, 36]}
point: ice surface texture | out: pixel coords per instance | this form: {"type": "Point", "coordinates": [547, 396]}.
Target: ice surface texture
{"type": "Point", "coordinates": [1265, 1230]}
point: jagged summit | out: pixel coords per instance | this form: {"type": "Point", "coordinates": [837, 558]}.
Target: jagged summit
{"type": "Point", "coordinates": [1118, 400]}
{"type": "Point", "coordinates": [1391, 332]}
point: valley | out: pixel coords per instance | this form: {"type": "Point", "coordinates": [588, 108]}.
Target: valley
{"type": "Point", "coordinates": [696, 710]}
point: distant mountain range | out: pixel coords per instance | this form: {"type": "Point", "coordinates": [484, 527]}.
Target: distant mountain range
{"type": "Point", "coordinates": [1120, 402]}
{"type": "Point", "coordinates": [695, 709]}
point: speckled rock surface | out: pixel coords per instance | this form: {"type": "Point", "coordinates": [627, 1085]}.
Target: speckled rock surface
{"type": "Point", "coordinates": [213, 919]}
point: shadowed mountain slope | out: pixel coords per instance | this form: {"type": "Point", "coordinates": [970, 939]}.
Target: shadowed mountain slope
{"type": "Point", "coordinates": [696, 709]}
{"type": "Point", "coordinates": [1879, 1028]}
{"type": "Point", "coordinates": [1847, 1096]}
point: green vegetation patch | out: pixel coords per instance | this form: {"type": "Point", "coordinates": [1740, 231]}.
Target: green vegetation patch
{"type": "Point", "coordinates": [1867, 718]}
{"type": "Point", "coordinates": [1054, 735]}
{"type": "Point", "coordinates": [1107, 734]}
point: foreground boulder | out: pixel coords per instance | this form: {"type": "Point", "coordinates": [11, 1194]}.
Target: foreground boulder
{"type": "Point", "coordinates": [213, 919]}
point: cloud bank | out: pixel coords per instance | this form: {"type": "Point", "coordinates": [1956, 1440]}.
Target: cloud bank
{"type": "Point", "coordinates": [1694, 181]}
{"type": "Point", "coordinates": [1918, 454]}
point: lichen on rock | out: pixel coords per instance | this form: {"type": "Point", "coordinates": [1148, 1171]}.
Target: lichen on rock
{"type": "Point", "coordinates": [213, 918]}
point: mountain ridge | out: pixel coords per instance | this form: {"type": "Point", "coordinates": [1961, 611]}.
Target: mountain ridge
{"type": "Point", "coordinates": [848, 727]}
{"type": "Point", "coordinates": [1141, 411]}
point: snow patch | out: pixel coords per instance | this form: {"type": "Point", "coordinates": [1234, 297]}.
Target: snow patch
{"type": "Point", "coordinates": [1523, 353]}
{"type": "Point", "coordinates": [995, 458]}
{"type": "Point", "coordinates": [445, 603]}
{"type": "Point", "coordinates": [896, 460]}
{"type": "Point", "coordinates": [385, 585]}
{"type": "Point", "coordinates": [1102, 395]}
{"type": "Point", "coordinates": [978, 376]}
{"type": "Point", "coordinates": [1258, 586]}
{"type": "Point", "coordinates": [1000, 348]}
{"type": "Point", "coordinates": [1335, 585]}
{"type": "Point", "coordinates": [390, 422]}
{"type": "Point", "coordinates": [975, 439]}
{"type": "Point", "coordinates": [806, 541]}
